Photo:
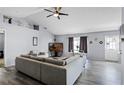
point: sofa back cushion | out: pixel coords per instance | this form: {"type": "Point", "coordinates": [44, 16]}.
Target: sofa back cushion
{"type": "Point", "coordinates": [55, 61]}
{"type": "Point", "coordinates": [37, 58]}
{"type": "Point", "coordinates": [59, 62]}
{"type": "Point", "coordinates": [26, 56]}
{"type": "Point", "coordinates": [33, 57]}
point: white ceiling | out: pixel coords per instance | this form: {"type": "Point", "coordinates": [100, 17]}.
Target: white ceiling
{"type": "Point", "coordinates": [80, 20]}
{"type": "Point", "coordinates": [19, 11]}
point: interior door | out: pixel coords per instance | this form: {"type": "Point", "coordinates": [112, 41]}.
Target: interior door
{"type": "Point", "coordinates": [112, 47]}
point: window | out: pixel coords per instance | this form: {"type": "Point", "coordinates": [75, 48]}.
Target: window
{"type": "Point", "coordinates": [112, 42]}
{"type": "Point", "coordinates": [76, 44]}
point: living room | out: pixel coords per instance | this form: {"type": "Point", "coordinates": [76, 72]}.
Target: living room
{"type": "Point", "coordinates": [28, 30]}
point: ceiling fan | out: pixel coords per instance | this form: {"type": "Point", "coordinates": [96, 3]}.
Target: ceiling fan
{"type": "Point", "coordinates": [56, 12]}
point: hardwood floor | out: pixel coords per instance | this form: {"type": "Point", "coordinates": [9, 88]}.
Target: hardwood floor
{"type": "Point", "coordinates": [1, 62]}
{"type": "Point", "coordinates": [9, 76]}
{"type": "Point", "coordinates": [100, 73]}
{"type": "Point", "coordinates": [95, 73]}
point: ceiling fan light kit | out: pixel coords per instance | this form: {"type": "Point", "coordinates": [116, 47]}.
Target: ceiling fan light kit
{"type": "Point", "coordinates": [56, 15]}
{"type": "Point", "coordinates": [56, 12]}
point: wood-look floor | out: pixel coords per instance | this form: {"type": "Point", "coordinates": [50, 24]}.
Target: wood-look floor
{"type": "Point", "coordinates": [1, 62]}
{"type": "Point", "coordinates": [95, 73]}
{"type": "Point", "coordinates": [100, 73]}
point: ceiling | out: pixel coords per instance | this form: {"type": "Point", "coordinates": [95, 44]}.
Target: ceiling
{"type": "Point", "coordinates": [80, 20]}
{"type": "Point", "coordinates": [19, 11]}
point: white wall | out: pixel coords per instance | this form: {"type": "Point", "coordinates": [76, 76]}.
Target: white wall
{"type": "Point", "coordinates": [96, 51]}
{"type": "Point", "coordinates": [18, 40]}
{"type": "Point", "coordinates": [122, 61]}
{"type": "Point", "coordinates": [45, 38]}
{"type": "Point", "coordinates": [1, 18]}
{"type": "Point", "coordinates": [122, 46]}
{"type": "Point", "coordinates": [1, 41]}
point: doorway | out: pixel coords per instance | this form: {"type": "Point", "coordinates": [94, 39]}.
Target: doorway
{"type": "Point", "coordinates": [80, 44]}
{"type": "Point", "coordinates": [112, 48]}
{"type": "Point", "coordinates": [1, 48]}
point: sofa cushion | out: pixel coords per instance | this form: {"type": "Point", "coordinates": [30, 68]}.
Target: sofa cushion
{"type": "Point", "coordinates": [55, 61]}
{"type": "Point", "coordinates": [71, 59]}
{"type": "Point", "coordinates": [41, 53]}
{"type": "Point", "coordinates": [37, 58]}
{"type": "Point", "coordinates": [27, 56]}
{"type": "Point", "coordinates": [33, 57]}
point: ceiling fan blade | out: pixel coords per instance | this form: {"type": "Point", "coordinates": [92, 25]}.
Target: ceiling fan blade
{"type": "Point", "coordinates": [50, 15]}
{"type": "Point", "coordinates": [48, 10]}
{"type": "Point", "coordinates": [58, 17]}
{"type": "Point", "coordinates": [63, 14]}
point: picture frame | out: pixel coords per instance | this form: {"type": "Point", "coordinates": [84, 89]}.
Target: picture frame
{"type": "Point", "coordinates": [122, 39]}
{"type": "Point", "coordinates": [35, 41]}
{"type": "Point", "coordinates": [91, 42]}
{"type": "Point", "coordinates": [100, 42]}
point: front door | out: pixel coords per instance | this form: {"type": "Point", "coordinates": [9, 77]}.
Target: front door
{"type": "Point", "coordinates": [112, 47]}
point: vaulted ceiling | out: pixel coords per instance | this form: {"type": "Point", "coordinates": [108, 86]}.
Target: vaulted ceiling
{"type": "Point", "coordinates": [19, 11]}
{"type": "Point", "coordinates": [80, 20]}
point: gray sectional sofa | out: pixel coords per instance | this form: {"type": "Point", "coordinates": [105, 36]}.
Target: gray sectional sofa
{"type": "Point", "coordinates": [51, 71]}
